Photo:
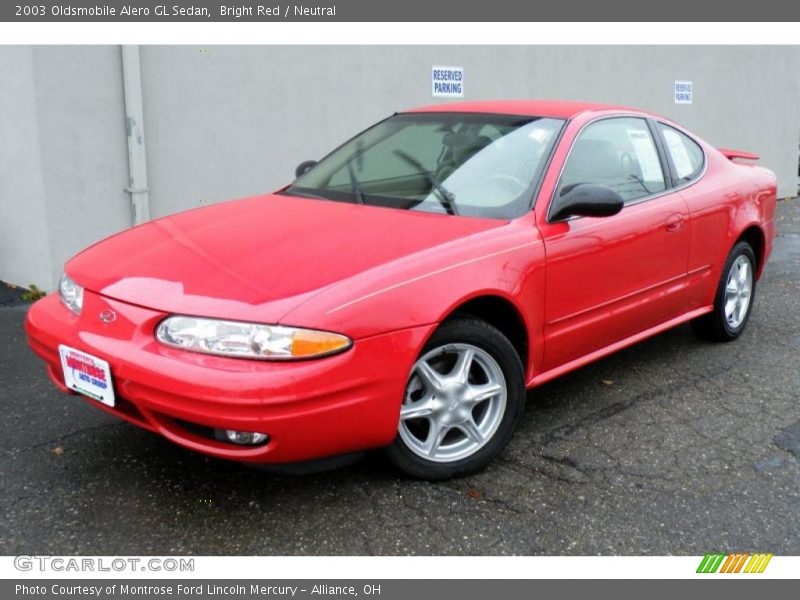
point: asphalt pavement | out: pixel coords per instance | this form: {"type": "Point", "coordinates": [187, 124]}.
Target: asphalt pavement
{"type": "Point", "coordinates": [673, 446]}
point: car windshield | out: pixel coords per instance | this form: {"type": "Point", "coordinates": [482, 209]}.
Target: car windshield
{"type": "Point", "coordinates": [480, 165]}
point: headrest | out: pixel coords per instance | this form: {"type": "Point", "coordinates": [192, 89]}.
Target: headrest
{"type": "Point", "coordinates": [468, 146]}
{"type": "Point", "coordinates": [593, 159]}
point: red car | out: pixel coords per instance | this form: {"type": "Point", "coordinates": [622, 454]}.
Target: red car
{"type": "Point", "coordinates": [406, 290]}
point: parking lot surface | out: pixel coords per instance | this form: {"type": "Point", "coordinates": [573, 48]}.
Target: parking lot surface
{"type": "Point", "coordinates": [673, 446]}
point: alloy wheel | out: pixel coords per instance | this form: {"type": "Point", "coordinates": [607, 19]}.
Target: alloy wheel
{"type": "Point", "coordinates": [454, 403]}
{"type": "Point", "coordinates": [738, 290]}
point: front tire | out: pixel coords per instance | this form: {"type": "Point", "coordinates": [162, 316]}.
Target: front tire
{"type": "Point", "coordinates": [464, 396]}
{"type": "Point", "coordinates": [734, 298]}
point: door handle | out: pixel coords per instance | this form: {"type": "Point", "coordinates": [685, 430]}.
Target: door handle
{"type": "Point", "coordinates": [674, 223]}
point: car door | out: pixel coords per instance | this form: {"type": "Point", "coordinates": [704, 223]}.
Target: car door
{"type": "Point", "coordinates": [709, 208]}
{"type": "Point", "coordinates": [609, 278]}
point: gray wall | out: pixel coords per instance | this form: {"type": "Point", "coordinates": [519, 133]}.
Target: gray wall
{"type": "Point", "coordinates": [224, 122]}
{"type": "Point", "coordinates": [63, 157]}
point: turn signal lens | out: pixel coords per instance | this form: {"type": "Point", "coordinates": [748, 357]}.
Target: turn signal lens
{"type": "Point", "coordinates": [313, 343]}
{"type": "Point", "coordinates": [248, 340]}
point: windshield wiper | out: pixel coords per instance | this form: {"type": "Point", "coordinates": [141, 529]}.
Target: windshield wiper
{"type": "Point", "coordinates": [448, 200]}
{"type": "Point", "coordinates": [355, 184]}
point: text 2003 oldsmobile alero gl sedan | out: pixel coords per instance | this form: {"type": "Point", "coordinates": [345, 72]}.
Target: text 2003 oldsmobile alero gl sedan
{"type": "Point", "coordinates": [408, 288]}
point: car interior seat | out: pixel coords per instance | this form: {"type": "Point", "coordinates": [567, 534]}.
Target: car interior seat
{"type": "Point", "coordinates": [459, 148]}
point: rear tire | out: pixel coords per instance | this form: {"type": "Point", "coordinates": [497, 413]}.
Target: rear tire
{"type": "Point", "coordinates": [734, 299]}
{"type": "Point", "coordinates": [464, 397]}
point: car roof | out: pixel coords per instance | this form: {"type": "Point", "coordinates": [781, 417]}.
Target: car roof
{"type": "Point", "coordinates": [562, 109]}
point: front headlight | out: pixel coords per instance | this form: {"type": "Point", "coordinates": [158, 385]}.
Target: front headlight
{"type": "Point", "coordinates": [248, 340]}
{"type": "Point", "coordinates": [71, 294]}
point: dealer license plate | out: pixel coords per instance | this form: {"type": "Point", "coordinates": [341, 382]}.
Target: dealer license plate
{"type": "Point", "coordinates": [87, 375]}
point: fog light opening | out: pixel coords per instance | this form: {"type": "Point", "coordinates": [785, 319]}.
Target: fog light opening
{"type": "Point", "coordinates": [245, 438]}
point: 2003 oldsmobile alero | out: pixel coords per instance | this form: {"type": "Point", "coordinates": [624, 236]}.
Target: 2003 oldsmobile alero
{"type": "Point", "coordinates": [405, 291]}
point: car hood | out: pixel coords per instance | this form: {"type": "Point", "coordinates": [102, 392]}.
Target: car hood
{"type": "Point", "coordinates": [256, 258]}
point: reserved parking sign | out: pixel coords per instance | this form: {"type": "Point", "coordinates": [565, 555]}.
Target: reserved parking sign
{"type": "Point", "coordinates": [447, 82]}
{"type": "Point", "coordinates": [683, 92]}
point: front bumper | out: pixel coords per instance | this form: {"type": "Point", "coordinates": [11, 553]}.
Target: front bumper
{"type": "Point", "coordinates": [309, 409]}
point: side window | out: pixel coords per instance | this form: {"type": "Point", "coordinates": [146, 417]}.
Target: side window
{"type": "Point", "coordinates": [618, 153]}
{"type": "Point", "coordinates": [686, 156]}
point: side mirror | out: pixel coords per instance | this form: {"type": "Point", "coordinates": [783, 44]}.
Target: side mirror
{"type": "Point", "coordinates": [586, 200]}
{"type": "Point", "coordinates": [304, 167]}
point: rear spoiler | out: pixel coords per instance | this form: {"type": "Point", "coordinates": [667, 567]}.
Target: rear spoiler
{"type": "Point", "coordinates": [731, 154]}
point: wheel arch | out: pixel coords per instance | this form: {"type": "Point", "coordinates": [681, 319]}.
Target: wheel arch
{"type": "Point", "coordinates": [754, 235]}
{"type": "Point", "coordinates": [502, 313]}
